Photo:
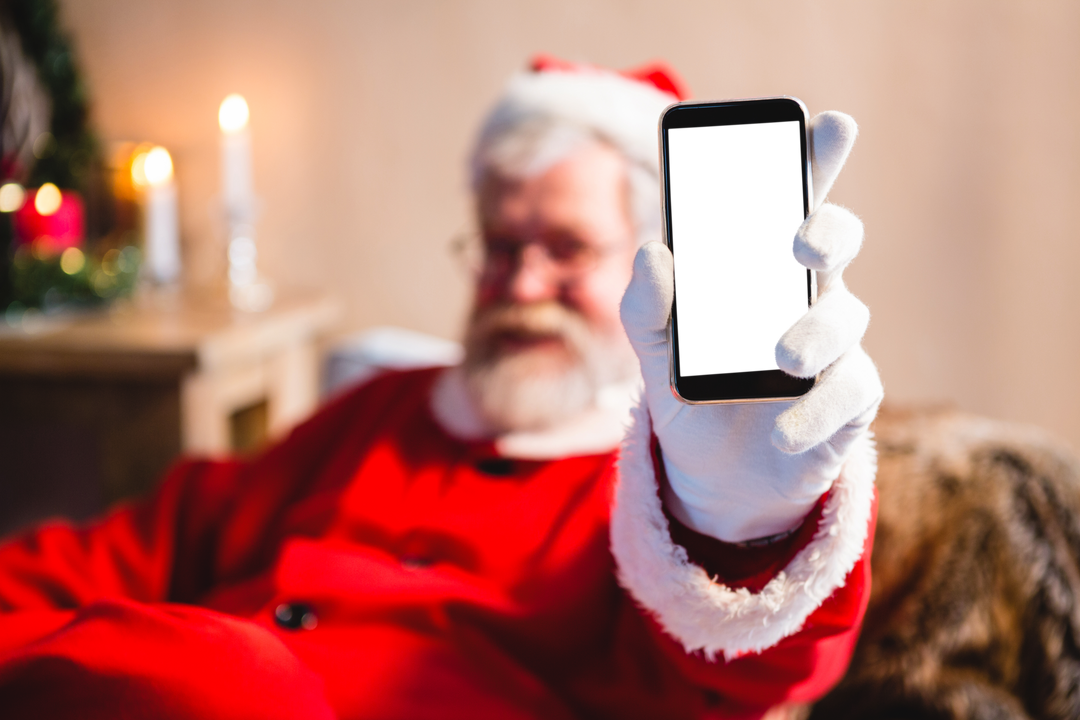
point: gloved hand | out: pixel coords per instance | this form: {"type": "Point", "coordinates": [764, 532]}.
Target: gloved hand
{"type": "Point", "coordinates": [748, 471]}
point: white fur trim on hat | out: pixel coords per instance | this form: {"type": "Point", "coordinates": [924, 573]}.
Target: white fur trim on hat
{"type": "Point", "coordinates": [711, 617]}
{"type": "Point", "coordinates": [622, 110]}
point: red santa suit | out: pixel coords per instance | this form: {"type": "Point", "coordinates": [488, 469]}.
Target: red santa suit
{"type": "Point", "coordinates": [372, 565]}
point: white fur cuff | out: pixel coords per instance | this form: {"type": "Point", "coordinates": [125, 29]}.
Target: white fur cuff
{"type": "Point", "coordinates": [705, 615]}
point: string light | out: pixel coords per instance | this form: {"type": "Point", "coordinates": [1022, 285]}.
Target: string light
{"type": "Point", "coordinates": [12, 197]}
{"type": "Point", "coordinates": [72, 260]}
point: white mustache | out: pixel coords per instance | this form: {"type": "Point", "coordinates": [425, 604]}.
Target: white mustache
{"type": "Point", "coordinates": [541, 319]}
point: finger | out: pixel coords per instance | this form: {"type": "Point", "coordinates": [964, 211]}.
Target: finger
{"type": "Point", "coordinates": [845, 392]}
{"type": "Point", "coordinates": [832, 134]}
{"type": "Point", "coordinates": [829, 239]}
{"type": "Point", "coordinates": [835, 324]}
{"type": "Point", "coordinates": [646, 304]}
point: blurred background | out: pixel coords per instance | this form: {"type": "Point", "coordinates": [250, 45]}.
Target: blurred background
{"type": "Point", "coordinates": [966, 172]}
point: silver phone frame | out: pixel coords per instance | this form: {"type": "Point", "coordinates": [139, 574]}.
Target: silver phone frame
{"type": "Point", "coordinates": [667, 240]}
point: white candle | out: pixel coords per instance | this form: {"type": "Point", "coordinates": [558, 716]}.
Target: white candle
{"type": "Point", "coordinates": [247, 290]}
{"type": "Point", "coordinates": [237, 191]}
{"type": "Point", "coordinates": [161, 229]}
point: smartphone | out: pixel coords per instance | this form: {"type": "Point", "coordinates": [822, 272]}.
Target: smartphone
{"type": "Point", "coordinates": [736, 189]}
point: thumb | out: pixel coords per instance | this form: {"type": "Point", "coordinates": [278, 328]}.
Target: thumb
{"type": "Point", "coordinates": [646, 304]}
{"type": "Point", "coordinates": [832, 135]}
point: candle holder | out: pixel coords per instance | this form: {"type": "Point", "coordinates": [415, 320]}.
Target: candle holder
{"type": "Point", "coordinates": [248, 291]}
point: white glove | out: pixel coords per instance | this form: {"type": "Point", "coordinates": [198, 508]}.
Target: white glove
{"type": "Point", "coordinates": [748, 471]}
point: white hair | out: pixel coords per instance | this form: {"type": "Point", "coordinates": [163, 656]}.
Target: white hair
{"type": "Point", "coordinates": [544, 117]}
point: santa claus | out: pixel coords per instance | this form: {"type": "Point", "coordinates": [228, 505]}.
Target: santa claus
{"type": "Point", "coordinates": [540, 532]}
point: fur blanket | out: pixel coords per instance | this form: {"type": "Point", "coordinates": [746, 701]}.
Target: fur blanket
{"type": "Point", "coordinates": [975, 608]}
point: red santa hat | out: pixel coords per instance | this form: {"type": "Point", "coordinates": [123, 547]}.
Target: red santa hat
{"type": "Point", "coordinates": [621, 106]}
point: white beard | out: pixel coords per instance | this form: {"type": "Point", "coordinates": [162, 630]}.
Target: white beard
{"type": "Point", "coordinates": [541, 387]}
{"type": "Point", "coordinates": [527, 391]}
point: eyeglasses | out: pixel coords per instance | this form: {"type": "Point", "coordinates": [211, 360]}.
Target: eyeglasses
{"type": "Point", "coordinates": [494, 256]}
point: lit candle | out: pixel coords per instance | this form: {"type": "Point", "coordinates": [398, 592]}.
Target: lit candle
{"type": "Point", "coordinates": [237, 192]}
{"type": "Point", "coordinates": [247, 290]}
{"type": "Point", "coordinates": [153, 172]}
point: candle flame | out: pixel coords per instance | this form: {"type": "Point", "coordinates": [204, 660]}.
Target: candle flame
{"type": "Point", "coordinates": [157, 166]}
{"type": "Point", "coordinates": [47, 199]}
{"type": "Point", "coordinates": [233, 113]}
{"type": "Point", "coordinates": [138, 169]}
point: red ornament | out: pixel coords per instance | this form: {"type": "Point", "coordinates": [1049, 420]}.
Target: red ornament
{"type": "Point", "coordinates": [58, 230]}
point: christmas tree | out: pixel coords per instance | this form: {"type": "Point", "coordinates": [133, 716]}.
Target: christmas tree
{"type": "Point", "coordinates": [47, 138]}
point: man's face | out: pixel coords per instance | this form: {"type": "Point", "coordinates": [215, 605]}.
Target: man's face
{"type": "Point", "coordinates": [545, 331]}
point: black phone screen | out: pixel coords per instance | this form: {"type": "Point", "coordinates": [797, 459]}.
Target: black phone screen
{"type": "Point", "coordinates": [736, 192]}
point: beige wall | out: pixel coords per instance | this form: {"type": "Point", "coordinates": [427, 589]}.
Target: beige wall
{"type": "Point", "coordinates": [967, 172]}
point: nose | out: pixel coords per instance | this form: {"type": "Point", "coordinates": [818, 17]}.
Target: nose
{"type": "Point", "coordinates": [532, 279]}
